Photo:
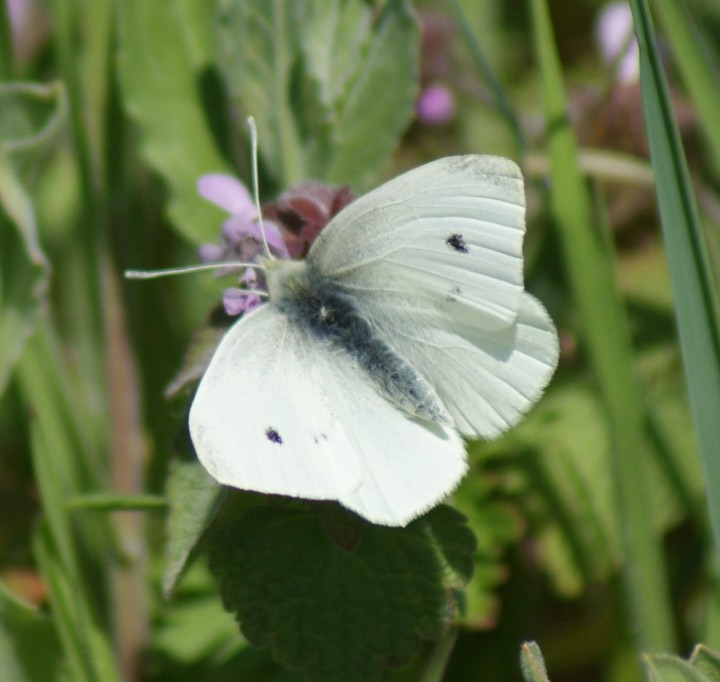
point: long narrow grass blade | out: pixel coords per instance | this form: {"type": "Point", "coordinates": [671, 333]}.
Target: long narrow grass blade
{"type": "Point", "coordinates": [88, 653]}
{"type": "Point", "coordinates": [483, 66]}
{"type": "Point", "coordinates": [698, 67]}
{"type": "Point", "coordinates": [66, 545]}
{"type": "Point", "coordinates": [606, 335]}
{"type": "Point", "coordinates": [696, 306]}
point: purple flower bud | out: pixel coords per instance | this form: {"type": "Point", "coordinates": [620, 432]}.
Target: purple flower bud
{"type": "Point", "coordinates": [209, 253]}
{"type": "Point", "coordinates": [241, 237]}
{"type": "Point", "coordinates": [435, 105]}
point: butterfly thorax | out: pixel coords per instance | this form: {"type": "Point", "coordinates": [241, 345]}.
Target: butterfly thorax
{"type": "Point", "coordinates": [324, 309]}
{"type": "Point", "coordinates": [284, 278]}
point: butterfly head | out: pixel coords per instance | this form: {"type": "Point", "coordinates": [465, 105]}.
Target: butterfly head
{"type": "Point", "coordinates": [265, 239]}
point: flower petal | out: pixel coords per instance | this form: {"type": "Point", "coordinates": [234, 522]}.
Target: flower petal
{"type": "Point", "coordinates": [275, 239]}
{"type": "Point", "coordinates": [236, 228]}
{"type": "Point", "coordinates": [226, 192]}
{"type": "Point", "coordinates": [236, 301]}
{"type": "Point", "coordinates": [210, 252]}
{"type": "Point", "coordinates": [249, 278]}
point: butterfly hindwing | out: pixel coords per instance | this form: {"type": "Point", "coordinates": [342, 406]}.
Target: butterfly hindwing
{"type": "Point", "coordinates": [309, 424]}
{"type": "Point", "coordinates": [485, 379]}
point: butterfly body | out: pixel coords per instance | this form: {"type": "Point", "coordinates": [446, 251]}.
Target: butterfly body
{"type": "Point", "coordinates": [406, 326]}
{"type": "Point", "coordinates": [318, 305]}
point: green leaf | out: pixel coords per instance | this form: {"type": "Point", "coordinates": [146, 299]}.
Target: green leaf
{"type": "Point", "coordinates": [194, 499]}
{"type": "Point", "coordinates": [257, 54]}
{"type": "Point", "coordinates": [29, 648]}
{"type": "Point", "coordinates": [335, 36]}
{"type": "Point", "coordinates": [569, 467]}
{"type": "Point", "coordinates": [335, 597]}
{"type": "Point", "coordinates": [532, 663]}
{"type": "Point", "coordinates": [667, 668]}
{"type": "Point", "coordinates": [177, 635]}
{"type": "Point", "coordinates": [706, 661]}
{"type": "Point", "coordinates": [496, 524]}
{"type": "Point", "coordinates": [379, 103]}
{"type": "Point", "coordinates": [24, 269]}
{"type": "Point", "coordinates": [568, 463]}
{"type": "Point", "coordinates": [319, 88]}
{"type": "Point", "coordinates": [169, 87]}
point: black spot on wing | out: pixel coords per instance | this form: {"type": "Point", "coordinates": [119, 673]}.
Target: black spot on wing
{"type": "Point", "coordinates": [273, 436]}
{"type": "Point", "coordinates": [457, 243]}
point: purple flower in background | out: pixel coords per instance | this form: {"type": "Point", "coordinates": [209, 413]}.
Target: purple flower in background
{"type": "Point", "coordinates": [29, 27]}
{"type": "Point", "coordinates": [614, 34]}
{"type": "Point", "coordinates": [435, 105]}
{"type": "Point", "coordinates": [240, 239]}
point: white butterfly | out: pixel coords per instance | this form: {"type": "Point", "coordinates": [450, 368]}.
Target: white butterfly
{"type": "Point", "coordinates": [406, 326]}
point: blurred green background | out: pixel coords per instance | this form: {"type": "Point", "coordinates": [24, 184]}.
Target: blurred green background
{"type": "Point", "coordinates": [594, 519]}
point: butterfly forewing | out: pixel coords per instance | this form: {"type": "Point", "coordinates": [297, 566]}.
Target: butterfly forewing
{"type": "Point", "coordinates": [433, 260]}
{"type": "Point", "coordinates": [451, 228]}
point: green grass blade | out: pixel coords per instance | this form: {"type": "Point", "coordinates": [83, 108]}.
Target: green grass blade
{"type": "Point", "coordinates": [697, 67]}
{"type": "Point", "coordinates": [6, 56]}
{"type": "Point", "coordinates": [483, 66]}
{"type": "Point", "coordinates": [696, 307]}
{"type": "Point", "coordinates": [88, 654]}
{"type": "Point", "coordinates": [606, 335]}
{"type": "Point", "coordinates": [70, 549]}
{"type": "Point", "coordinates": [109, 502]}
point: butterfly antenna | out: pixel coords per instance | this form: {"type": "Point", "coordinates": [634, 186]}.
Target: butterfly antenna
{"type": "Point", "coordinates": [256, 196]}
{"type": "Point", "coordinates": [167, 272]}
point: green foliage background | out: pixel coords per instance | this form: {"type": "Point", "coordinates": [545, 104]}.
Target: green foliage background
{"type": "Point", "coordinates": [592, 528]}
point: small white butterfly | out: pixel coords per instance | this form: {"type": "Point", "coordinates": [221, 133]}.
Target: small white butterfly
{"type": "Point", "coordinates": [406, 326]}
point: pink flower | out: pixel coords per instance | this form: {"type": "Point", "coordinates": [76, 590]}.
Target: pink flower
{"type": "Point", "coordinates": [614, 33]}
{"type": "Point", "coordinates": [435, 105]}
{"type": "Point", "coordinates": [293, 221]}
{"type": "Point", "coordinates": [240, 239]}
{"type": "Point", "coordinates": [242, 226]}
